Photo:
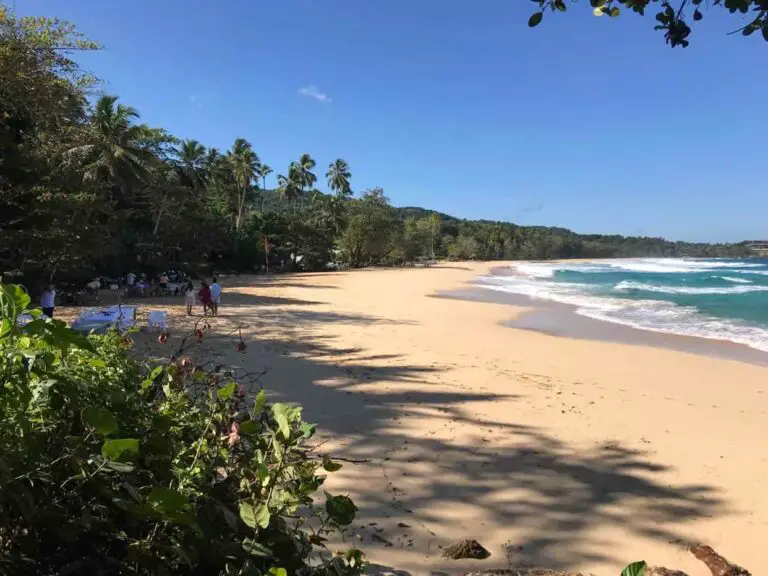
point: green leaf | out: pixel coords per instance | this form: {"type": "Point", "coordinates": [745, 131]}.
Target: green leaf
{"type": "Point", "coordinates": [248, 514]}
{"type": "Point", "coordinates": [277, 571]}
{"type": "Point", "coordinates": [5, 327]}
{"type": "Point", "coordinates": [281, 413]}
{"type": "Point", "coordinates": [170, 505]}
{"type": "Point", "coordinates": [122, 450]}
{"type": "Point", "coordinates": [697, 15]}
{"type": "Point", "coordinates": [330, 465]}
{"type": "Point", "coordinates": [765, 31]}
{"type": "Point", "coordinates": [263, 473]}
{"type": "Point", "coordinates": [164, 498]}
{"type": "Point", "coordinates": [635, 569]}
{"type": "Point", "coordinates": [254, 516]}
{"type": "Point", "coordinates": [262, 515]}
{"type": "Point", "coordinates": [307, 430]}
{"type": "Point", "coordinates": [14, 300]}
{"type": "Point", "coordinates": [156, 371]}
{"type": "Point", "coordinates": [259, 402]}
{"type": "Point", "coordinates": [341, 509]}
{"type": "Point", "coordinates": [614, 12]}
{"type": "Point", "coordinates": [256, 549]}
{"type": "Point", "coordinates": [250, 427]}
{"type": "Point", "coordinates": [227, 391]}
{"type": "Point", "coordinates": [101, 420]}
{"type": "Point", "coordinates": [535, 19]}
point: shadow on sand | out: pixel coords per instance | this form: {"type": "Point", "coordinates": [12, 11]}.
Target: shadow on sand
{"type": "Point", "coordinates": [547, 494]}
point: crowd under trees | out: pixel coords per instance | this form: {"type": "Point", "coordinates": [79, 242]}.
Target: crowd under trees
{"type": "Point", "coordinates": [87, 189]}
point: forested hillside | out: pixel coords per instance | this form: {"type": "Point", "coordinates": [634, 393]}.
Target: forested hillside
{"type": "Point", "coordinates": [86, 188]}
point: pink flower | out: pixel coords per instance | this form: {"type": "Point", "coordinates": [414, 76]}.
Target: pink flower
{"type": "Point", "coordinates": [234, 434]}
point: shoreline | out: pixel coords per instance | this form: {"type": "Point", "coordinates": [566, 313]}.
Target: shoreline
{"type": "Point", "coordinates": [561, 320]}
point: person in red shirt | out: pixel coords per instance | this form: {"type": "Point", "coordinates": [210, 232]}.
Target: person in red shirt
{"type": "Point", "coordinates": [205, 298]}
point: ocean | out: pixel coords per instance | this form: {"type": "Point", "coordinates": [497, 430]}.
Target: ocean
{"type": "Point", "coordinates": [706, 298]}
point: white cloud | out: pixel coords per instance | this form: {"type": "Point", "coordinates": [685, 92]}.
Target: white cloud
{"type": "Point", "coordinates": [313, 91]}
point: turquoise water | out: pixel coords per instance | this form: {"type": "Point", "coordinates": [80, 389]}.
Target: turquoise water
{"type": "Point", "coordinates": [717, 299]}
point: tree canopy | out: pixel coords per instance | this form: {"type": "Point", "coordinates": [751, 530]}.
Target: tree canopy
{"type": "Point", "coordinates": [671, 18]}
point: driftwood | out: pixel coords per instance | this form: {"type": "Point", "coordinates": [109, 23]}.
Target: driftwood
{"type": "Point", "coordinates": [717, 565]}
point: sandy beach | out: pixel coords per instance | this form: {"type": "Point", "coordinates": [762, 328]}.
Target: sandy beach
{"type": "Point", "coordinates": [550, 451]}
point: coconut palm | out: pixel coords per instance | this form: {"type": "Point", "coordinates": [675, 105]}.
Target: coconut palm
{"type": "Point", "coordinates": [338, 176]}
{"type": "Point", "coordinates": [244, 164]}
{"type": "Point", "coordinates": [114, 150]}
{"type": "Point", "coordinates": [264, 171]}
{"type": "Point", "coordinates": [191, 163]}
{"type": "Point", "coordinates": [288, 188]}
{"type": "Point", "coordinates": [302, 172]}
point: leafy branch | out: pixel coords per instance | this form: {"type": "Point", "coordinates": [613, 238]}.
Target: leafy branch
{"type": "Point", "coordinates": [673, 21]}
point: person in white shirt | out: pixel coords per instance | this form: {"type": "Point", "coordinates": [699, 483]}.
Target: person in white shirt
{"type": "Point", "coordinates": [189, 295]}
{"type": "Point", "coordinates": [216, 295]}
{"type": "Point", "coordinates": [48, 300]}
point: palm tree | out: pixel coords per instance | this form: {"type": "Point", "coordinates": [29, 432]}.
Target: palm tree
{"type": "Point", "coordinates": [303, 172]}
{"type": "Point", "coordinates": [114, 152]}
{"type": "Point", "coordinates": [244, 163]}
{"type": "Point", "coordinates": [191, 163]}
{"type": "Point", "coordinates": [264, 171]}
{"type": "Point", "coordinates": [288, 188]}
{"type": "Point", "coordinates": [338, 176]}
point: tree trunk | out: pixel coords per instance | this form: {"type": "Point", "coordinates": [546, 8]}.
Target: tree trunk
{"type": "Point", "coordinates": [159, 215]}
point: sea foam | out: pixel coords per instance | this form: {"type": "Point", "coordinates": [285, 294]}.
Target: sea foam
{"type": "Point", "coordinates": [624, 302]}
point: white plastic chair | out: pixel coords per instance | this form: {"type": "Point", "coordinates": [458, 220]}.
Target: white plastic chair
{"type": "Point", "coordinates": [158, 319]}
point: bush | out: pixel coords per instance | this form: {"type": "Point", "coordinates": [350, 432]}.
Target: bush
{"type": "Point", "coordinates": [108, 466]}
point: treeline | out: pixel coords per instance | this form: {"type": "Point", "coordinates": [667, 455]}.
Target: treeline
{"type": "Point", "coordinates": [88, 189]}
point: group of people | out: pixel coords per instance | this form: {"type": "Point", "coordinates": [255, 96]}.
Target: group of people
{"type": "Point", "coordinates": [208, 295]}
{"type": "Point", "coordinates": [141, 286]}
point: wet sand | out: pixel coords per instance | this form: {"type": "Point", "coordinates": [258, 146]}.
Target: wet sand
{"type": "Point", "coordinates": [559, 319]}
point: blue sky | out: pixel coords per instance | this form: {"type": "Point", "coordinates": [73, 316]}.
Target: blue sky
{"type": "Point", "coordinates": [455, 105]}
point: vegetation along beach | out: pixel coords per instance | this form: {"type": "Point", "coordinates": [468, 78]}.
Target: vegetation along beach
{"type": "Point", "coordinates": [463, 323]}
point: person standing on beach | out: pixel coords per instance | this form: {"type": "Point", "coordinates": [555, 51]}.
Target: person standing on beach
{"type": "Point", "coordinates": [189, 295]}
{"type": "Point", "coordinates": [215, 295]}
{"type": "Point", "coordinates": [130, 282]}
{"type": "Point", "coordinates": [205, 298]}
{"type": "Point", "coordinates": [48, 300]}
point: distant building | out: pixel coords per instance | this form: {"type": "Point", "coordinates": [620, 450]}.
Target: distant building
{"type": "Point", "coordinates": [758, 246]}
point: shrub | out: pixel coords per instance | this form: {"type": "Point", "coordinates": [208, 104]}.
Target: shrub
{"type": "Point", "coordinates": [108, 466]}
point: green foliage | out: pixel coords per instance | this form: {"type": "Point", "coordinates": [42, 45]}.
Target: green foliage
{"type": "Point", "coordinates": [108, 466]}
{"type": "Point", "coordinates": [671, 19]}
{"type": "Point", "coordinates": [635, 569]}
